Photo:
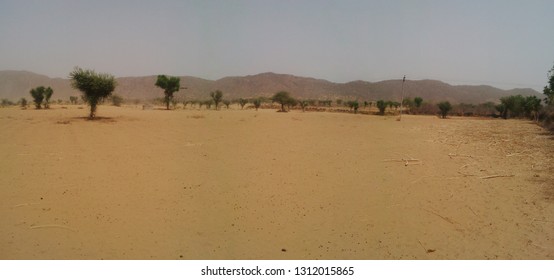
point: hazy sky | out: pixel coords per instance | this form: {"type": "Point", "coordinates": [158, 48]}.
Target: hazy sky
{"type": "Point", "coordinates": [501, 43]}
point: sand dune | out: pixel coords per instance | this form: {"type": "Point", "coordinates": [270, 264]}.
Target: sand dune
{"type": "Point", "coordinates": [241, 184]}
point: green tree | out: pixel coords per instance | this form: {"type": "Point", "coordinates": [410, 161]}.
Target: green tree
{"type": "Point", "coordinates": [282, 98]}
{"type": "Point", "coordinates": [94, 86]}
{"type": "Point", "coordinates": [169, 85]}
{"type": "Point", "coordinates": [532, 107]}
{"type": "Point", "coordinates": [353, 105]}
{"type": "Point", "coordinates": [303, 104]}
{"type": "Point", "coordinates": [216, 97]}
{"type": "Point", "coordinates": [242, 102]}
{"type": "Point", "coordinates": [226, 103]}
{"type": "Point", "coordinates": [418, 101]}
{"type": "Point", "coordinates": [38, 96]}
{"type": "Point", "coordinates": [502, 109]}
{"type": "Point", "coordinates": [444, 108]}
{"type": "Point", "coordinates": [73, 99]}
{"type": "Point", "coordinates": [23, 103]}
{"type": "Point", "coordinates": [47, 95]}
{"type": "Point", "coordinates": [209, 103]}
{"type": "Point", "coordinates": [382, 106]}
{"type": "Point", "coordinates": [549, 90]}
{"type": "Point", "coordinates": [514, 105]}
{"type": "Point", "coordinates": [257, 103]}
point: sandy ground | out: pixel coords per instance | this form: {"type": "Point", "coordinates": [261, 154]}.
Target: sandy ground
{"type": "Point", "coordinates": [241, 184]}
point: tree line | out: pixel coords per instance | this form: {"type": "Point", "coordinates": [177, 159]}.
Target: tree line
{"type": "Point", "coordinates": [98, 87]}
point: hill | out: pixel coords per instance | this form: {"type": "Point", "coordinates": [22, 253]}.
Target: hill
{"type": "Point", "coordinates": [16, 84]}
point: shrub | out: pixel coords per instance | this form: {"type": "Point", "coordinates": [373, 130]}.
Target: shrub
{"type": "Point", "coordinates": [444, 108]}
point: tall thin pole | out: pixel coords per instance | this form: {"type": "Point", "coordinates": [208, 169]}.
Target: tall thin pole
{"type": "Point", "coordinates": [402, 97]}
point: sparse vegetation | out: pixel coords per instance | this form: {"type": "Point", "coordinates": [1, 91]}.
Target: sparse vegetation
{"type": "Point", "coordinates": [216, 97]}
{"type": "Point", "coordinates": [117, 100]}
{"type": "Point", "coordinates": [226, 103]}
{"type": "Point", "coordinates": [353, 105]}
{"type": "Point", "coordinates": [73, 99]}
{"type": "Point", "coordinates": [47, 95]}
{"type": "Point", "coordinates": [94, 86]}
{"type": "Point", "coordinates": [208, 103]}
{"type": "Point", "coordinates": [38, 96]}
{"type": "Point", "coordinates": [257, 103]}
{"type": "Point", "coordinates": [242, 102]}
{"type": "Point", "coordinates": [170, 85]}
{"type": "Point", "coordinates": [5, 102]}
{"type": "Point", "coordinates": [418, 101]}
{"type": "Point", "coordinates": [444, 108]}
{"type": "Point", "coordinates": [382, 106]}
{"type": "Point", "coordinates": [303, 104]}
{"type": "Point", "coordinates": [282, 98]}
{"type": "Point", "coordinates": [23, 103]}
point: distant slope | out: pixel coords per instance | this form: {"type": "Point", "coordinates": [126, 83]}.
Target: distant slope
{"type": "Point", "coordinates": [16, 84]}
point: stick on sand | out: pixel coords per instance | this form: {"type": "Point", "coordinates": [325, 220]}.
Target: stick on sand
{"type": "Point", "coordinates": [52, 226]}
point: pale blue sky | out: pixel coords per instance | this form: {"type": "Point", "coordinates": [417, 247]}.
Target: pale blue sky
{"type": "Point", "coordinates": [501, 43]}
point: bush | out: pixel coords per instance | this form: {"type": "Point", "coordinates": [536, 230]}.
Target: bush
{"type": "Point", "coordinates": [117, 100]}
{"type": "Point", "coordinates": [382, 106]}
{"type": "Point", "coordinates": [444, 108]}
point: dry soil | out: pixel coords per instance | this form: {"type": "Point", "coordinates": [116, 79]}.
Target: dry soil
{"type": "Point", "coordinates": [245, 184]}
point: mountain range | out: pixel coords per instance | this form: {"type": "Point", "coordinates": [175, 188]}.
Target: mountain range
{"type": "Point", "coordinates": [17, 84]}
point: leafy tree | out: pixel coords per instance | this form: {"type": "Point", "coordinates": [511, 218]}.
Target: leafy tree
{"type": "Point", "coordinates": [532, 107]}
{"type": "Point", "coordinates": [382, 106]}
{"type": "Point", "coordinates": [353, 105]}
{"type": "Point", "coordinates": [23, 103]}
{"type": "Point", "coordinates": [291, 103]}
{"type": "Point", "coordinates": [502, 109]}
{"type": "Point", "coordinates": [444, 108]}
{"type": "Point", "coordinates": [257, 103]}
{"type": "Point", "coordinates": [216, 96]}
{"type": "Point", "coordinates": [514, 105]}
{"type": "Point", "coordinates": [94, 86]}
{"type": "Point", "coordinates": [365, 104]}
{"type": "Point", "coordinates": [282, 98]}
{"type": "Point", "coordinates": [418, 101]}
{"type": "Point", "coordinates": [243, 102]}
{"type": "Point", "coordinates": [38, 96]}
{"type": "Point", "coordinates": [339, 102]}
{"type": "Point", "coordinates": [169, 85]}
{"type": "Point", "coordinates": [549, 90]}
{"type": "Point", "coordinates": [209, 103]}
{"type": "Point", "coordinates": [303, 104]}
{"type": "Point", "coordinates": [226, 103]}
{"type": "Point", "coordinates": [47, 95]}
{"type": "Point", "coordinates": [73, 99]}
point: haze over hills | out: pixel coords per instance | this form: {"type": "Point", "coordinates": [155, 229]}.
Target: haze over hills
{"type": "Point", "coordinates": [16, 84]}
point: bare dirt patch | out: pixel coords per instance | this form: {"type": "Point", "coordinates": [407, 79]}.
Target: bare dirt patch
{"type": "Point", "coordinates": [241, 184]}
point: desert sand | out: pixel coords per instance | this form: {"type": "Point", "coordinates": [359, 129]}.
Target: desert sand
{"type": "Point", "coordinates": [245, 184]}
